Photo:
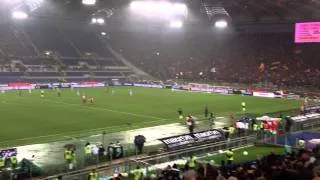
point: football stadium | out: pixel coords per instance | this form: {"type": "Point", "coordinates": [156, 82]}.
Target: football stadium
{"type": "Point", "coordinates": [159, 89]}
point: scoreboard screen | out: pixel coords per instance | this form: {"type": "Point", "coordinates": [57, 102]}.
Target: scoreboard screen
{"type": "Point", "coordinates": [307, 32]}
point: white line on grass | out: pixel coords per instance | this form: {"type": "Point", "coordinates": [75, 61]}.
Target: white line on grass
{"type": "Point", "coordinates": [80, 132]}
{"type": "Point", "coordinates": [107, 109]}
{"type": "Point", "coordinates": [90, 130]}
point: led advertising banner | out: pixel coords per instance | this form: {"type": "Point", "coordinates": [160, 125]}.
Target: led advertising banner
{"type": "Point", "coordinates": [307, 32]}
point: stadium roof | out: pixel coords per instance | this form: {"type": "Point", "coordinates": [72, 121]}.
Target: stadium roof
{"type": "Point", "coordinates": [239, 11]}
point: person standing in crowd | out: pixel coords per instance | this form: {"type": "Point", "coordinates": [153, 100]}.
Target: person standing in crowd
{"type": "Point", "coordinates": [93, 175]}
{"type": "Point", "coordinates": [95, 152]}
{"type": "Point", "coordinates": [139, 141]}
{"type": "Point", "coordinates": [190, 123]}
{"type": "Point", "coordinates": [232, 131]}
{"type": "Point", "coordinates": [212, 119]}
{"type": "Point", "coordinates": [231, 117]}
{"type": "Point", "coordinates": [102, 151]}
{"type": "Point", "coordinates": [14, 162]}
{"type": "Point", "coordinates": [180, 113]}
{"type": "Point", "coordinates": [88, 152]}
{"type": "Point", "coordinates": [2, 162]}
{"type": "Point", "coordinates": [58, 178]}
{"type": "Point", "coordinates": [206, 112]}
{"type": "Point", "coordinates": [137, 173]}
{"type": "Point", "coordinates": [301, 144]}
{"type": "Point", "coordinates": [192, 162]}
{"type": "Point", "coordinates": [229, 155]}
{"type": "Point", "coordinates": [73, 155]}
{"type": "Point", "coordinates": [68, 156]}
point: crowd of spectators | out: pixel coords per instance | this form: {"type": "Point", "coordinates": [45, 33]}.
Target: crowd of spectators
{"type": "Point", "coordinates": [194, 56]}
{"type": "Point", "coordinates": [222, 57]}
{"type": "Point", "coordinates": [303, 165]}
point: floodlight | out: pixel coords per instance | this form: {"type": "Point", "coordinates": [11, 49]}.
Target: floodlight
{"type": "Point", "coordinates": [176, 24]}
{"type": "Point", "coordinates": [135, 5]}
{"type": "Point", "coordinates": [100, 20]}
{"type": "Point", "coordinates": [159, 8]}
{"type": "Point", "coordinates": [94, 20]}
{"type": "Point", "coordinates": [221, 24]}
{"type": "Point", "coordinates": [33, 4]}
{"type": "Point", "coordinates": [89, 2]}
{"type": "Point", "coordinates": [103, 33]}
{"type": "Point", "coordinates": [19, 15]}
{"type": "Point", "coordinates": [180, 9]}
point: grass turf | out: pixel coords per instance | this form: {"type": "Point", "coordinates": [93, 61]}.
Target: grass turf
{"type": "Point", "coordinates": [30, 119]}
{"type": "Point", "coordinates": [253, 153]}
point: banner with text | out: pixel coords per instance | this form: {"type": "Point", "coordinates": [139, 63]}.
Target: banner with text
{"type": "Point", "coordinates": [188, 139]}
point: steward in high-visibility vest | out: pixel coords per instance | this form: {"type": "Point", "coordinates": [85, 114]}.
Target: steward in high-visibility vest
{"type": "Point", "coordinates": [68, 156]}
{"type": "Point", "coordinates": [14, 162]}
{"type": "Point", "coordinates": [261, 126]}
{"type": "Point", "coordinates": [2, 162]}
{"type": "Point", "coordinates": [301, 144]}
{"type": "Point", "coordinates": [243, 105]}
{"type": "Point", "coordinates": [93, 175]}
{"type": "Point", "coordinates": [192, 162]}
{"type": "Point", "coordinates": [137, 173]}
{"type": "Point", "coordinates": [229, 155]}
{"type": "Point", "coordinates": [88, 149]}
{"type": "Point", "coordinates": [232, 130]}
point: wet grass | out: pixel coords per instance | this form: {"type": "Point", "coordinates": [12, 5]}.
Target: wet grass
{"type": "Point", "coordinates": [31, 119]}
{"type": "Point", "coordinates": [254, 152]}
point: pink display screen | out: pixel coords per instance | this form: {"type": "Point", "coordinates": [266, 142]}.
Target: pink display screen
{"type": "Point", "coordinates": [307, 32]}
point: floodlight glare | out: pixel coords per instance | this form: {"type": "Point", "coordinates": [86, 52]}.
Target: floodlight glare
{"type": "Point", "coordinates": [19, 15]}
{"type": "Point", "coordinates": [176, 24]}
{"type": "Point", "coordinates": [100, 21]}
{"type": "Point", "coordinates": [221, 24]}
{"type": "Point", "coordinates": [89, 2]}
{"type": "Point", "coordinates": [103, 33]}
{"type": "Point", "coordinates": [33, 4]}
{"type": "Point", "coordinates": [159, 8]}
{"type": "Point", "coordinates": [94, 20]}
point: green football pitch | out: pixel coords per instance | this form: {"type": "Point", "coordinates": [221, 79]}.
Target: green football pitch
{"type": "Point", "coordinates": [29, 118]}
{"type": "Point", "coordinates": [254, 152]}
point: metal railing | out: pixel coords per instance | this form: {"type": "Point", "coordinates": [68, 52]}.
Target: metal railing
{"type": "Point", "coordinates": [126, 165]}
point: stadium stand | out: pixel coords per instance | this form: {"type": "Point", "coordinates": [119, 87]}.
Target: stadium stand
{"type": "Point", "coordinates": [234, 58]}
{"type": "Point", "coordinates": [293, 166]}
{"type": "Point", "coordinates": [51, 54]}
{"type": "Point", "coordinates": [50, 39]}
{"type": "Point", "coordinates": [193, 57]}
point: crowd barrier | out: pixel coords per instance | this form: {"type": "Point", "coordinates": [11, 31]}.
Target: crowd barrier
{"type": "Point", "coordinates": [128, 164]}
